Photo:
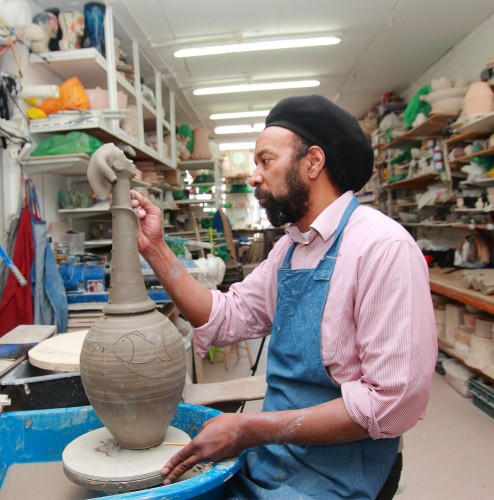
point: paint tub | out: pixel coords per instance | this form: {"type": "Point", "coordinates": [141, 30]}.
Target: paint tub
{"type": "Point", "coordinates": [41, 436]}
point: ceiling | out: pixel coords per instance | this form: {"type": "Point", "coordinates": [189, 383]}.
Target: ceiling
{"type": "Point", "coordinates": [386, 45]}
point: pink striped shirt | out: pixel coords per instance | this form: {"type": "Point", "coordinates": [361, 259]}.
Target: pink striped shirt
{"type": "Point", "coordinates": [378, 336]}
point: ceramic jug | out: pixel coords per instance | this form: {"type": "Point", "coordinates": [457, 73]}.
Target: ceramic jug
{"type": "Point", "coordinates": [133, 358]}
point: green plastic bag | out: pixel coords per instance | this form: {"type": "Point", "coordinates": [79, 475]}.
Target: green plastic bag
{"type": "Point", "coordinates": [416, 106]}
{"type": "Point", "coordinates": [66, 144]}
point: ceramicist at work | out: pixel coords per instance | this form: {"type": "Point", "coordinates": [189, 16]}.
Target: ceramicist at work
{"type": "Point", "coordinates": [133, 359]}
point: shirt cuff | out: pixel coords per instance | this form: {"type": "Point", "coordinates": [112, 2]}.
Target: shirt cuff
{"type": "Point", "coordinates": [358, 404]}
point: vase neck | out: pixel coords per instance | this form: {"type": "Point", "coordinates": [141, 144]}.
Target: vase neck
{"type": "Point", "coordinates": [128, 293]}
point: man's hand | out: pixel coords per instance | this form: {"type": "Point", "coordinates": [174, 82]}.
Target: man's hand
{"type": "Point", "coordinates": [222, 437]}
{"type": "Point", "coordinates": [150, 221]}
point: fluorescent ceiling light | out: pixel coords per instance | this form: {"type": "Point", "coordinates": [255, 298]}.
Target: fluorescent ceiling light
{"type": "Point", "coordinates": [240, 114]}
{"type": "Point", "coordinates": [252, 87]}
{"type": "Point", "coordinates": [231, 146]}
{"type": "Point", "coordinates": [255, 46]}
{"type": "Point", "coordinates": [240, 129]}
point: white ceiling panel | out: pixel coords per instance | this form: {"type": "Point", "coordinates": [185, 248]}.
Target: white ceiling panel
{"type": "Point", "coordinates": [387, 45]}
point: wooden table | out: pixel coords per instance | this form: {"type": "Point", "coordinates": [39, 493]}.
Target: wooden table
{"type": "Point", "coordinates": [24, 334]}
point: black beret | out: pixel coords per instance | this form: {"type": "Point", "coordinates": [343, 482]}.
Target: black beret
{"type": "Point", "coordinates": [333, 129]}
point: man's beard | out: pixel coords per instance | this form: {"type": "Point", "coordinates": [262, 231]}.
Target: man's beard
{"type": "Point", "coordinates": [290, 207]}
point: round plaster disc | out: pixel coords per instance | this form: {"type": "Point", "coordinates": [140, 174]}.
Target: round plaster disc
{"type": "Point", "coordinates": [95, 460]}
{"type": "Point", "coordinates": [60, 353]}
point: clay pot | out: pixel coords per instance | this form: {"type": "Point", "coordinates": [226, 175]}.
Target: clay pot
{"type": "Point", "coordinates": [479, 99]}
{"type": "Point", "coordinates": [133, 359]}
{"type": "Point", "coordinates": [201, 144]}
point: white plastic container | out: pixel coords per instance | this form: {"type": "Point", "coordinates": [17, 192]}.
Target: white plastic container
{"type": "Point", "coordinates": [458, 376]}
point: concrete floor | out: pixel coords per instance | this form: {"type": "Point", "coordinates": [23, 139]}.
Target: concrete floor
{"type": "Point", "coordinates": [447, 456]}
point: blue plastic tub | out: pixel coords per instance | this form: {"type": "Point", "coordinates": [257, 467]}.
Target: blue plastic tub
{"type": "Point", "coordinates": [41, 436]}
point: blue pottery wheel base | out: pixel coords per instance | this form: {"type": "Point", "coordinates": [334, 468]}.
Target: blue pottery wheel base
{"type": "Point", "coordinates": [39, 436]}
{"type": "Point", "coordinates": [95, 461]}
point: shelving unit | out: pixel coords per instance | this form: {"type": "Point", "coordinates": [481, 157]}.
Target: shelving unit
{"type": "Point", "coordinates": [400, 196]}
{"type": "Point", "coordinates": [433, 126]}
{"type": "Point", "coordinates": [94, 70]}
{"type": "Point", "coordinates": [211, 165]}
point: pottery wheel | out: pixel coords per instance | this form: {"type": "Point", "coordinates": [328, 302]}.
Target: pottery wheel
{"type": "Point", "coordinates": [95, 460]}
{"type": "Point", "coordinates": [60, 353]}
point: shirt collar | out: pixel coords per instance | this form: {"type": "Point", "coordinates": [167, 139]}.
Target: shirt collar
{"type": "Point", "coordinates": [326, 222]}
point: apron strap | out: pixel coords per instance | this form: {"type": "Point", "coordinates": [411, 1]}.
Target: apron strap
{"type": "Point", "coordinates": [326, 264]}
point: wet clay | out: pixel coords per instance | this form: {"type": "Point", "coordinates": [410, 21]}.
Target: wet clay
{"type": "Point", "coordinates": [132, 361]}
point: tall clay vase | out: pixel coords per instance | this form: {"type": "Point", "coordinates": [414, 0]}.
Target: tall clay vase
{"type": "Point", "coordinates": [133, 359]}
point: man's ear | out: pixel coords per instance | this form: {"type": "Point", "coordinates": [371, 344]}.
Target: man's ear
{"type": "Point", "coordinates": [317, 159]}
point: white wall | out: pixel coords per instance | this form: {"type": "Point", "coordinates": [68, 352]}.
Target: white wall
{"type": "Point", "coordinates": [467, 58]}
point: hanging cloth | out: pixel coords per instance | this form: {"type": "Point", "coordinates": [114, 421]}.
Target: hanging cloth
{"type": "Point", "coordinates": [50, 299]}
{"type": "Point", "coordinates": [16, 304]}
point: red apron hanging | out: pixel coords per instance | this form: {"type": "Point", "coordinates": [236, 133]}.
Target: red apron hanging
{"type": "Point", "coordinates": [16, 305]}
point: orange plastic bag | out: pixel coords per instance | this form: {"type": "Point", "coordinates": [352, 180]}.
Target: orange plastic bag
{"type": "Point", "coordinates": [72, 95]}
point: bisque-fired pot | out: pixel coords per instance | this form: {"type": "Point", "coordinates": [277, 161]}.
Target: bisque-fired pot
{"type": "Point", "coordinates": [133, 358]}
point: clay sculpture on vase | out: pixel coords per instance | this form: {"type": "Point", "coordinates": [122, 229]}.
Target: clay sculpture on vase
{"type": "Point", "coordinates": [133, 358]}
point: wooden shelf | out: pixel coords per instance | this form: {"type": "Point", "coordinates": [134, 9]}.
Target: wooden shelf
{"type": "Point", "coordinates": [465, 136]}
{"type": "Point", "coordinates": [418, 182]}
{"type": "Point", "coordinates": [483, 124]}
{"type": "Point", "coordinates": [484, 372]}
{"type": "Point", "coordinates": [451, 285]}
{"type": "Point", "coordinates": [467, 158]}
{"type": "Point", "coordinates": [431, 127]}
{"type": "Point", "coordinates": [196, 165]}
{"type": "Point", "coordinates": [460, 225]}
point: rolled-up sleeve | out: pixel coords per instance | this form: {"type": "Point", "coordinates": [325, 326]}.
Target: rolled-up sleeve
{"type": "Point", "coordinates": [246, 311]}
{"type": "Point", "coordinates": [397, 343]}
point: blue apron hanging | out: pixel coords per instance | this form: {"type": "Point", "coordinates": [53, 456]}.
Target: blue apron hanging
{"type": "Point", "coordinates": [298, 379]}
{"type": "Point", "coordinates": [49, 296]}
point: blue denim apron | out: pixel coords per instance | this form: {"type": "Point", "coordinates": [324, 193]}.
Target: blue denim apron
{"type": "Point", "coordinates": [48, 290]}
{"type": "Point", "coordinates": [298, 379]}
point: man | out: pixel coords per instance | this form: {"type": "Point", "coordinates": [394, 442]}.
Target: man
{"type": "Point", "coordinates": [345, 296]}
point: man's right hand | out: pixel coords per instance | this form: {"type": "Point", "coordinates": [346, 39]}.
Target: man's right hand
{"type": "Point", "coordinates": [150, 221]}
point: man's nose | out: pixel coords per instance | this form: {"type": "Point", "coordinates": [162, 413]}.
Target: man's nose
{"type": "Point", "coordinates": [255, 179]}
